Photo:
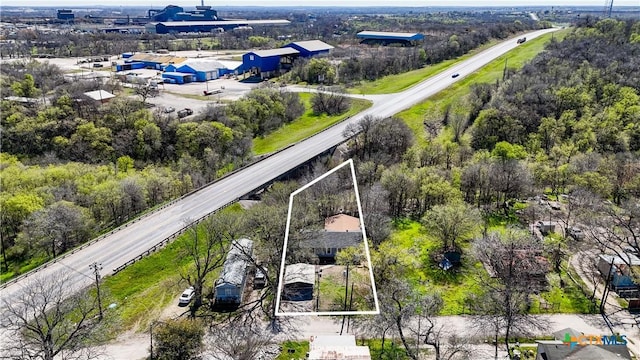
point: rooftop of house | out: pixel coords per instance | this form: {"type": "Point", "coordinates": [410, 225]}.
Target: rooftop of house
{"type": "Point", "coordinates": [342, 222]}
{"type": "Point", "coordinates": [558, 350]}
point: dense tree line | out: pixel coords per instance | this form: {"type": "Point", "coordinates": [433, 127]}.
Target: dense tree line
{"type": "Point", "coordinates": [584, 90]}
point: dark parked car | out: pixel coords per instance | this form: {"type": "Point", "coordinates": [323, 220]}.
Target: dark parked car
{"type": "Point", "coordinates": [575, 233]}
{"type": "Point", "coordinates": [185, 112]}
{"type": "Point", "coordinates": [260, 280]}
{"type": "Point", "coordinates": [455, 75]}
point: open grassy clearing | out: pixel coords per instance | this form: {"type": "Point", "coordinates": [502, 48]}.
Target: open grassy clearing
{"type": "Point", "coordinates": [456, 286]}
{"type": "Point", "coordinates": [307, 125]}
{"type": "Point", "coordinates": [454, 95]}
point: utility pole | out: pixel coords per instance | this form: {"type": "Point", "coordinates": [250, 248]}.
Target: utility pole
{"type": "Point", "coordinates": [608, 8]}
{"type": "Point", "coordinates": [96, 271]}
{"type": "Point", "coordinates": [319, 277]}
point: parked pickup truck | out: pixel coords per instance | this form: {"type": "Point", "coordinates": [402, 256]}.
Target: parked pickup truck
{"type": "Point", "coordinates": [185, 112]}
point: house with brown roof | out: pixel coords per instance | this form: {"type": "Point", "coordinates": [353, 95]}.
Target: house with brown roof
{"type": "Point", "coordinates": [339, 232]}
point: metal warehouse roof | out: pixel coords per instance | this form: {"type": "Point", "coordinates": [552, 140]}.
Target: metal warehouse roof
{"type": "Point", "coordinates": [224, 22]}
{"type": "Point", "coordinates": [314, 45]}
{"type": "Point", "coordinates": [175, 73]}
{"type": "Point", "coordinates": [275, 52]}
{"type": "Point", "coordinates": [299, 273]}
{"type": "Point", "coordinates": [389, 35]}
{"type": "Point", "coordinates": [203, 65]}
{"type": "Point", "coordinates": [236, 262]}
{"type": "Point", "coordinates": [156, 58]}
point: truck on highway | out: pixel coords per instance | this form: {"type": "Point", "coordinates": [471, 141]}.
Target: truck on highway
{"type": "Point", "coordinates": [521, 40]}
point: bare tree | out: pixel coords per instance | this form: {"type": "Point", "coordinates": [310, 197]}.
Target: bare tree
{"type": "Point", "coordinates": [207, 247]}
{"type": "Point", "coordinates": [330, 101]}
{"type": "Point", "coordinates": [235, 341]}
{"type": "Point", "coordinates": [48, 320]}
{"type": "Point", "coordinates": [615, 229]}
{"type": "Point", "coordinates": [517, 270]}
{"type": "Point", "coordinates": [359, 133]}
{"type": "Point", "coordinates": [145, 92]}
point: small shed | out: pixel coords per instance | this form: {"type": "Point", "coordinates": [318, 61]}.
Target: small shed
{"type": "Point", "coordinates": [619, 268]}
{"type": "Point", "coordinates": [99, 96]}
{"type": "Point", "coordinates": [298, 282]}
{"type": "Point", "coordinates": [311, 47]}
{"type": "Point", "coordinates": [229, 287]}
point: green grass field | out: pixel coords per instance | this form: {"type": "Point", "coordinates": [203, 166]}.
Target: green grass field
{"type": "Point", "coordinates": [307, 125]}
{"type": "Point", "coordinates": [456, 286]}
{"type": "Point", "coordinates": [293, 350]}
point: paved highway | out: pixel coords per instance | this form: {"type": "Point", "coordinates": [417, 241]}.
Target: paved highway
{"type": "Point", "coordinates": [130, 241]}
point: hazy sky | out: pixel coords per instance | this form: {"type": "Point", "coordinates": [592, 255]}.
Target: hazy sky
{"type": "Point", "coordinates": [301, 3]}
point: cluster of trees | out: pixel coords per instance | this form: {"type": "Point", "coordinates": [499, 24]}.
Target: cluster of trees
{"type": "Point", "coordinates": [100, 166]}
{"type": "Point", "coordinates": [583, 91]}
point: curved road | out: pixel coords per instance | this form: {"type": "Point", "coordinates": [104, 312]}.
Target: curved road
{"type": "Point", "coordinates": [128, 242]}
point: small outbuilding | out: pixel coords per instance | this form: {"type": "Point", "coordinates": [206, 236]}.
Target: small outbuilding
{"type": "Point", "coordinates": [618, 269]}
{"type": "Point", "coordinates": [99, 96]}
{"type": "Point", "coordinates": [298, 282]}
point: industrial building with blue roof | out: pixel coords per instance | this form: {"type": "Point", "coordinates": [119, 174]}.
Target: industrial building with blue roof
{"type": "Point", "coordinates": [385, 38]}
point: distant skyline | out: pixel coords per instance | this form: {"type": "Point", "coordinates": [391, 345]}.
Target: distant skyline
{"type": "Point", "coordinates": [303, 3]}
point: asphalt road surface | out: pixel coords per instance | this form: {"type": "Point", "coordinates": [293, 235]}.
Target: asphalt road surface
{"type": "Point", "coordinates": [128, 242]}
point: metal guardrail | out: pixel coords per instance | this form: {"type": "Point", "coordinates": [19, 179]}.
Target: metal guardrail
{"type": "Point", "coordinates": [168, 239]}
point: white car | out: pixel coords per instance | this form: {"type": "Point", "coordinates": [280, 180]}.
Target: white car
{"type": "Point", "coordinates": [187, 295]}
